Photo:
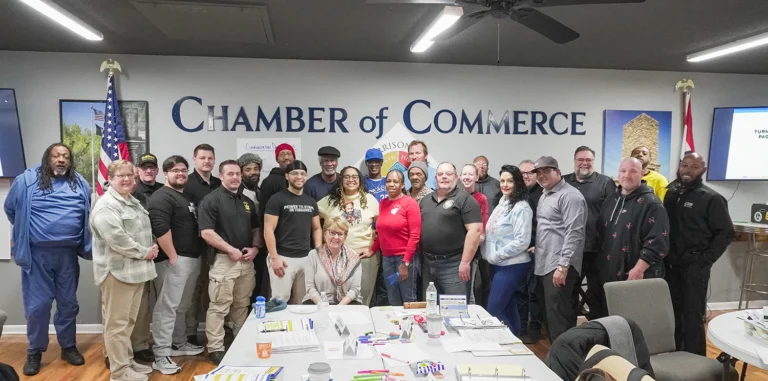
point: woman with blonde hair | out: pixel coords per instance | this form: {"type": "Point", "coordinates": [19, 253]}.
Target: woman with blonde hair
{"type": "Point", "coordinates": [334, 268]}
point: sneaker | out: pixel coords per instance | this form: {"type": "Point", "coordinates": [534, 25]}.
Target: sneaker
{"type": "Point", "coordinates": [72, 356]}
{"type": "Point", "coordinates": [216, 357]}
{"type": "Point", "coordinates": [165, 365]}
{"type": "Point", "coordinates": [140, 368]}
{"type": "Point", "coordinates": [32, 366]}
{"type": "Point", "coordinates": [192, 339]}
{"type": "Point", "coordinates": [186, 349]}
{"type": "Point", "coordinates": [144, 356]}
{"type": "Point", "coordinates": [531, 337]}
{"type": "Point", "coordinates": [129, 375]}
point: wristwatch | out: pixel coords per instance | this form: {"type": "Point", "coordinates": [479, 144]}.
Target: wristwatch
{"type": "Point", "coordinates": [562, 269]}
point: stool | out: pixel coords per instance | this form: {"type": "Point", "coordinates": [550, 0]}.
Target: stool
{"type": "Point", "coordinates": [752, 231]}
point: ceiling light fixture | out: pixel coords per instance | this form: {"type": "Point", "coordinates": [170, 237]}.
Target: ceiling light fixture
{"type": "Point", "coordinates": [730, 48]}
{"type": "Point", "coordinates": [65, 18]}
{"type": "Point", "coordinates": [447, 17]}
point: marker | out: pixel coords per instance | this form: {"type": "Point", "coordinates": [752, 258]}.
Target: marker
{"type": "Point", "coordinates": [394, 358]}
{"type": "Point", "coordinates": [372, 371]}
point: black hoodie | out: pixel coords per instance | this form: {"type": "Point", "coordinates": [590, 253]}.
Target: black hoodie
{"type": "Point", "coordinates": [630, 228]}
{"type": "Point", "coordinates": [274, 183]}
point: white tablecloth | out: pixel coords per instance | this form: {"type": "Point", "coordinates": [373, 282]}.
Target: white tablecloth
{"type": "Point", "coordinates": [534, 368]}
{"type": "Point", "coordinates": [243, 349]}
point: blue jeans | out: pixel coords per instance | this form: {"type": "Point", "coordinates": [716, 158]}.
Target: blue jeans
{"type": "Point", "coordinates": [54, 275]}
{"type": "Point", "coordinates": [404, 290]}
{"type": "Point", "coordinates": [502, 302]}
{"type": "Point", "coordinates": [445, 274]}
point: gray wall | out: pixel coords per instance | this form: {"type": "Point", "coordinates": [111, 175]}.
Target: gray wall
{"type": "Point", "coordinates": [41, 79]}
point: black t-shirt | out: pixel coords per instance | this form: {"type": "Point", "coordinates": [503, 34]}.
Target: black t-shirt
{"type": "Point", "coordinates": [442, 223]}
{"type": "Point", "coordinates": [293, 234]}
{"type": "Point", "coordinates": [197, 188]}
{"type": "Point", "coordinates": [232, 216]}
{"type": "Point", "coordinates": [170, 210]}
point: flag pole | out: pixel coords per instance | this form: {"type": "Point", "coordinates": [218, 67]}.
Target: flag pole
{"type": "Point", "coordinates": [93, 173]}
{"type": "Point", "coordinates": [686, 85]}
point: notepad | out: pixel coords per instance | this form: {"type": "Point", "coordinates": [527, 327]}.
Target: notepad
{"type": "Point", "coordinates": [242, 373]}
{"type": "Point", "coordinates": [500, 336]}
{"type": "Point", "coordinates": [286, 325]}
{"type": "Point", "coordinates": [295, 341]}
{"type": "Point", "coordinates": [479, 372]}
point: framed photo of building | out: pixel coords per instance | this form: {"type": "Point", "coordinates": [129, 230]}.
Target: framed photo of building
{"type": "Point", "coordinates": [624, 130]}
{"type": "Point", "coordinates": [82, 126]}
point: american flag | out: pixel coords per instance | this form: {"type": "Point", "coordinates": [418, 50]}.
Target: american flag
{"type": "Point", "coordinates": [98, 115]}
{"type": "Point", "coordinates": [113, 145]}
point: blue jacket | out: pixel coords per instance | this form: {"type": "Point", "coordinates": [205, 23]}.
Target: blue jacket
{"type": "Point", "coordinates": [18, 209]}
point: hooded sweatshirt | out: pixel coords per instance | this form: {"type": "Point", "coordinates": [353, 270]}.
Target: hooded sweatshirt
{"type": "Point", "coordinates": [630, 228]}
{"type": "Point", "coordinates": [491, 188]}
{"type": "Point", "coordinates": [274, 183]}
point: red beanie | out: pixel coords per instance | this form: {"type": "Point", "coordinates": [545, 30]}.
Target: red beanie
{"type": "Point", "coordinates": [283, 147]}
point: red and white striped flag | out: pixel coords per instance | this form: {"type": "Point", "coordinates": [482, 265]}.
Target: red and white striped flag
{"type": "Point", "coordinates": [113, 144]}
{"type": "Point", "coordinates": [688, 145]}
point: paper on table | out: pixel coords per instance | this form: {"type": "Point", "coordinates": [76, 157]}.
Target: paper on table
{"type": "Point", "coordinates": [410, 312]}
{"type": "Point", "coordinates": [410, 352]}
{"type": "Point", "coordinates": [244, 373]}
{"type": "Point", "coordinates": [334, 350]}
{"type": "Point", "coordinates": [509, 350]}
{"type": "Point", "coordinates": [353, 317]}
{"type": "Point", "coordinates": [501, 336]}
{"type": "Point", "coordinates": [293, 341]}
{"type": "Point", "coordinates": [762, 352]}
{"type": "Point", "coordinates": [460, 344]}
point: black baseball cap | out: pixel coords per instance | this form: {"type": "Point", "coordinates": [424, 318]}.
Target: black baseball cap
{"type": "Point", "coordinates": [148, 158]}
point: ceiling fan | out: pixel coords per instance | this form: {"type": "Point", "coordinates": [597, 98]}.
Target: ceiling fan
{"type": "Point", "coordinates": [522, 11]}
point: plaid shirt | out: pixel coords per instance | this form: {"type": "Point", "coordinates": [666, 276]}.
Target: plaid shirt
{"type": "Point", "coordinates": [122, 235]}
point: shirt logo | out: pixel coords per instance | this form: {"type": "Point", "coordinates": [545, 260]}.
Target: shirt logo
{"type": "Point", "coordinates": [448, 204]}
{"type": "Point", "coordinates": [395, 210]}
{"type": "Point", "coordinates": [247, 207]}
{"type": "Point", "coordinates": [688, 204]}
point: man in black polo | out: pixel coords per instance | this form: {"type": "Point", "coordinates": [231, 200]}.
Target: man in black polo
{"type": "Point", "coordinates": [147, 184]}
{"type": "Point", "coordinates": [530, 293]}
{"type": "Point", "coordinates": [200, 183]}
{"type": "Point", "coordinates": [596, 188]}
{"type": "Point", "coordinates": [700, 231]}
{"type": "Point", "coordinates": [228, 221]}
{"type": "Point", "coordinates": [451, 225]}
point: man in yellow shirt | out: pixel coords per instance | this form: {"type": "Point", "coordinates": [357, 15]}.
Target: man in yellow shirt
{"type": "Point", "coordinates": [653, 179]}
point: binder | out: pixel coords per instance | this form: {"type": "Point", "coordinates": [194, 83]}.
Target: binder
{"type": "Point", "coordinates": [466, 372]}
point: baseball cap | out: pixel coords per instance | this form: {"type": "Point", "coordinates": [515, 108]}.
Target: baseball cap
{"type": "Point", "coordinates": [419, 165]}
{"type": "Point", "coordinates": [374, 154]}
{"type": "Point", "coordinates": [328, 151]}
{"type": "Point", "coordinates": [545, 162]}
{"type": "Point", "coordinates": [148, 158]}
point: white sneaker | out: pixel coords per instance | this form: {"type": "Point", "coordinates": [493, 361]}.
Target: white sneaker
{"type": "Point", "coordinates": [130, 375]}
{"type": "Point", "coordinates": [139, 368]}
{"type": "Point", "coordinates": [165, 365]}
{"type": "Point", "coordinates": [186, 349]}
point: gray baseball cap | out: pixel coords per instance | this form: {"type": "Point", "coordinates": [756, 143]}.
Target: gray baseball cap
{"type": "Point", "coordinates": [545, 162]}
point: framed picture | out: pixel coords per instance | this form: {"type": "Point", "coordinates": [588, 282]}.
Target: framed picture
{"type": "Point", "coordinates": [82, 128]}
{"type": "Point", "coordinates": [624, 130]}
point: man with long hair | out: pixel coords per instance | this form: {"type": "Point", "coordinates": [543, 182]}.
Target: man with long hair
{"type": "Point", "coordinates": [49, 206]}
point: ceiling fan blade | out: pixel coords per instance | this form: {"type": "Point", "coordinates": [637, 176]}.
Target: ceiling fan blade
{"type": "Point", "coordinates": [445, 2]}
{"type": "Point", "coordinates": [544, 25]}
{"type": "Point", "coordinates": [464, 23]}
{"type": "Point", "coordinates": [557, 3]}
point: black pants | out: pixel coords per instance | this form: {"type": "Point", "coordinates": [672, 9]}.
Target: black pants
{"type": "Point", "coordinates": [379, 297]}
{"type": "Point", "coordinates": [557, 303]}
{"type": "Point", "coordinates": [262, 287]}
{"type": "Point", "coordinates": [688, 288]}
{"type": "Point", "coordinates": [482, 285]}
{"type": "Point", "coordinates": [529, 303]}
{"type": "Point", "coordinates": [594, 296]}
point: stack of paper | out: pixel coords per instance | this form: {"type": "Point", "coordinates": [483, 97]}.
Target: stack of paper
{"type": "Point", "coordinates": [286, 325]}
{"type": "Point", "coordinates": [294, 341]}
{"type": "Point", "coordinates": [500, 336]}
{"type": "Point", "coordinates": [490, 322]}
{"type": "Point", "coordinates": [460, 344]}
{"type": "Point", "coordinates": [243, 373]}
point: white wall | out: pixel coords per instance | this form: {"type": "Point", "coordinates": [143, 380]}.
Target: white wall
{"type": "Point", "coordinates": [41, 79]}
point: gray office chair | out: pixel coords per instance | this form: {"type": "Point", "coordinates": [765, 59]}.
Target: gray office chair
{"type": "Point", "coordinates": [3, 317]}
{"type": "Point", "coordinates": [648, 303]}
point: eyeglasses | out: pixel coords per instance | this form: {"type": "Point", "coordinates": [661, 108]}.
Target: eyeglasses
{"type": "Point", "coordinates": [177, 171]}
{"type": "Point", "coordinates": [528, 174]}
{"type": "Point", "coordinates": [351, 177]}
{"type": "Point", "coordinates": [125, 176]}
{"type": "Point", "coordinates": [332, 234]}
{"type": "Point", "coordinates": [588, 161]}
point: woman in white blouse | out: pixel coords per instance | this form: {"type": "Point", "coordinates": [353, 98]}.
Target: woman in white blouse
{"type": "Point", "coordinates": [334, 268]}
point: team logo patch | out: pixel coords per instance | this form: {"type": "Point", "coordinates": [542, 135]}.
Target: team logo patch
{"type": "Point", "coordinates": [247, 207]}
{"type": "Point", "coordinates": [448, 204]}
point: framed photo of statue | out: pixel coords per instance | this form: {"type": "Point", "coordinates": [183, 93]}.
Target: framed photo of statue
{"type": "Point", "coordinates": [82, 126]}
{"type": "Point", "coordinates": [624, 130]}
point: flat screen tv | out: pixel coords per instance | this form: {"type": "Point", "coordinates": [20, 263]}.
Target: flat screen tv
{"type": "Point", "coordinates": [739, 146]}
{"type": "Point", "coordinates": [12, 161]}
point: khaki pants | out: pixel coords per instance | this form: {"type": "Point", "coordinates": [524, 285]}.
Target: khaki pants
{"type": "Point", "coordinates": [291, 287]}
{"type": "Point", "coordinates": [140, 336]}
{"type": "Point", "coordinates": [119, 307]}
{"type": "Point", "coordinates": [370, 268]}
{"type": "Point", "coordinates": [230, 287]}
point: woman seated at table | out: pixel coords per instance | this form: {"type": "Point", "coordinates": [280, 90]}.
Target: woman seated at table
{"type": "Point", "coordinates": [334, 268]}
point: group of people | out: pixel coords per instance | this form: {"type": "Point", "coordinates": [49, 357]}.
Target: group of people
{"type": "Point", "coordinates": [519, 245]}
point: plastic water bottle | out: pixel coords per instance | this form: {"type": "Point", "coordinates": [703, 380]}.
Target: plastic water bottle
{"type": "Point", "coordinates": [432, 299]}
{"type": "Point", "coordinates": [323, 301]}
{"type": "Point", "coordinates": [322, 311]}
{"type": "Point", "coordinates": [260, 307]}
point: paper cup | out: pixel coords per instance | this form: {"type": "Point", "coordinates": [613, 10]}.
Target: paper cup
{"type": "Point", "coordinates": [264, 348]}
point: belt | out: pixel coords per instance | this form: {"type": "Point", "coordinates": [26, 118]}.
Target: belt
{"type": "Point", "coordinates": [440, 257]}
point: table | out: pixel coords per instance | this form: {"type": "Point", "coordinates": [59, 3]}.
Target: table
{"type": "Point", "coordinates": [726, 332]}
{"type": "Point", "coordinates": [534, 367]}
{"type": "Point", "coordinates": [752, 230]}
{"type": "Point", "coordinates": [243, 349]}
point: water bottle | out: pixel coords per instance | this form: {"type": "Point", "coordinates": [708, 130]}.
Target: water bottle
{"type": "Point", "coordinates": [432, 299]}
{"type": "Point", "coordinates": [323, 301]}
{"type": "Point", "coordinates": [260, 307]}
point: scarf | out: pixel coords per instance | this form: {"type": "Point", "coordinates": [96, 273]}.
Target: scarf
{"type": "Point", "coordinates": [342, 270]}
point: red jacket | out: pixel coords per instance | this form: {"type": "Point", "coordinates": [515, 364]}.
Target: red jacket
{"type": "Point", "coordinates": [484, 210]}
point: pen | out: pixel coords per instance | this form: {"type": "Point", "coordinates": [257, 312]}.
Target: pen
{"type": "Point", "coordinates": [394, 358]}
{"type": "Point", "coordinates": [372, 371]}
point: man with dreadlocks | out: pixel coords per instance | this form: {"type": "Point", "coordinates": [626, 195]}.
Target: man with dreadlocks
{"type": "Point", "coordinates": [48, 206]}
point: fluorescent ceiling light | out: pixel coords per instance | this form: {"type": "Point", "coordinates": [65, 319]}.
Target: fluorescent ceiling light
{"type": "Point", "coordinates": [65, 18]}
{"type": "Point", "coordinates": [444, 20]}
{"type": "Point", "coordinates": [733, 47]}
